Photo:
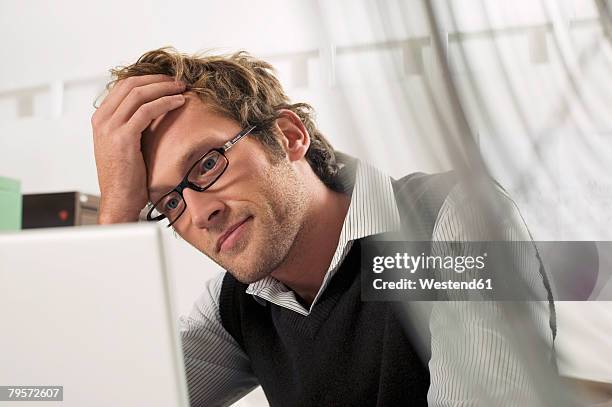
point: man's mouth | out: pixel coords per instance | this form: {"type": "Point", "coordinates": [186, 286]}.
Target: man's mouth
{"type": "Point", "coordinates": [231, 235]}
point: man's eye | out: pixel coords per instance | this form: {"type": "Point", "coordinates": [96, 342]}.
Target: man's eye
{"type": "Point", "coordinates": [171, 204]}
{"type": "Point", "coordinates": [208, 164]}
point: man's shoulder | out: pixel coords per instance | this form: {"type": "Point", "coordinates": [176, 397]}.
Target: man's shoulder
{"type": "Point", "coordinates": [417, 184]}
{"type": "Point", "coordinates": [419, 197]}
{"type": "Point", "coordinates": [448, 185]}
{"type": "Point", "coordinates": [423, 199]}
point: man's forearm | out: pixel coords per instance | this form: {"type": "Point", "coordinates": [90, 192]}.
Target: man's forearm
{"type": "Point", "coordinates": [108, 217]}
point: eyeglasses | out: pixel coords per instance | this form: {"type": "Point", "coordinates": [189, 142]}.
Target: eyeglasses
{"type": "Point", "coordinates": [201, 176]}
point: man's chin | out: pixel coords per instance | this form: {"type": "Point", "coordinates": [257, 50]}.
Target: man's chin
{"type": "Point", "coordinates": [246, 273]}
{"type": "Point", "coordinates": [249, 263]}
{"type": "Point", "coordinates": [248, 278]}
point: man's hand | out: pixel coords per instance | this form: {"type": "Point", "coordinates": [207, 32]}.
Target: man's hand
{"type": "Point", "coordinates": [127, 111]}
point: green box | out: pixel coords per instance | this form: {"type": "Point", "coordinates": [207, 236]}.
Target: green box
{"type": "Point", "coordinates": [10, 204]}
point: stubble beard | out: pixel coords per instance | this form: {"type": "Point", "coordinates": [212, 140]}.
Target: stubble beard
{"type": "Point", "coordinates": [279, 225]}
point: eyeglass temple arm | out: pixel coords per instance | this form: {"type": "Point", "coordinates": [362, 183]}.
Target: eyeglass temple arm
{"type": "Point", "coordinates": [240, 135]}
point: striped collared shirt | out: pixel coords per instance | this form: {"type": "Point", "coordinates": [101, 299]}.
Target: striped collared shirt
{"type": "Point", "coordinates": [218, 371]}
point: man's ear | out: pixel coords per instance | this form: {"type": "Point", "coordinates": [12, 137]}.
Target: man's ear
{"type": "Point", "coordinates": [294, 137]}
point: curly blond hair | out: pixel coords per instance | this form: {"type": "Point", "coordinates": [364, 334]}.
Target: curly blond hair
{"type": "Point", "coordinates": [240, 87]}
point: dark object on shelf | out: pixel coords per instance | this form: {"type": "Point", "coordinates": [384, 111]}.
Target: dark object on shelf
{"type": "Point", "coordinates": [59, 209]}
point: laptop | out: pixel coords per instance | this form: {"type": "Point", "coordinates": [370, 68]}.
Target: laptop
{"type": "Point", "coordinates": [88, 311]}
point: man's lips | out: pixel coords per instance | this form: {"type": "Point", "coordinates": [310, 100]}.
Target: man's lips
{"type": "Point", "coordinates": [228, 232]}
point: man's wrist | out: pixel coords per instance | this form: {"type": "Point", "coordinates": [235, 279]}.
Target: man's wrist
{"type": "Point", "coordinates": [110, 217]}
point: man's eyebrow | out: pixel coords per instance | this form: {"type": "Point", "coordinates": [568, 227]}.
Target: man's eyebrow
{"type": "Point", "coordinates": [184, 162]}
{"type": "Point", "coordinates": [188, 158]}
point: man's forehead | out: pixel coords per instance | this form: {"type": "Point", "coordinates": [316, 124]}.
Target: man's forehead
{"type": "Point", "coordinates": [172, 141]}
{"type": "Point", "coordinates": [186, 125]}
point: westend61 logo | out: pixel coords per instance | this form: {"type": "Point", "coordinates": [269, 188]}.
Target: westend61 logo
{"type": "Point", "coordinates": [484, 270]}
{"type": "Point", "coordinates": [404, 261]}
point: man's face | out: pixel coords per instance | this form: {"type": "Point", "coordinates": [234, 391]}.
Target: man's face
{"type": "Point", "coordinates": [260, 198]}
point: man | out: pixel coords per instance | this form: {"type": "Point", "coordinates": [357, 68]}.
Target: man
{"type": "Point", "coordinates": [242, 174]}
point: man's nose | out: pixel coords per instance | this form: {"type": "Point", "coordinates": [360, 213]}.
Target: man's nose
{"type": "Point", "coordinates": [205, 210]}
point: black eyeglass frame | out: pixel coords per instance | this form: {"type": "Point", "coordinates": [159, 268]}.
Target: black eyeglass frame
{"type": "Point", "coordinates": [185, 183]}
